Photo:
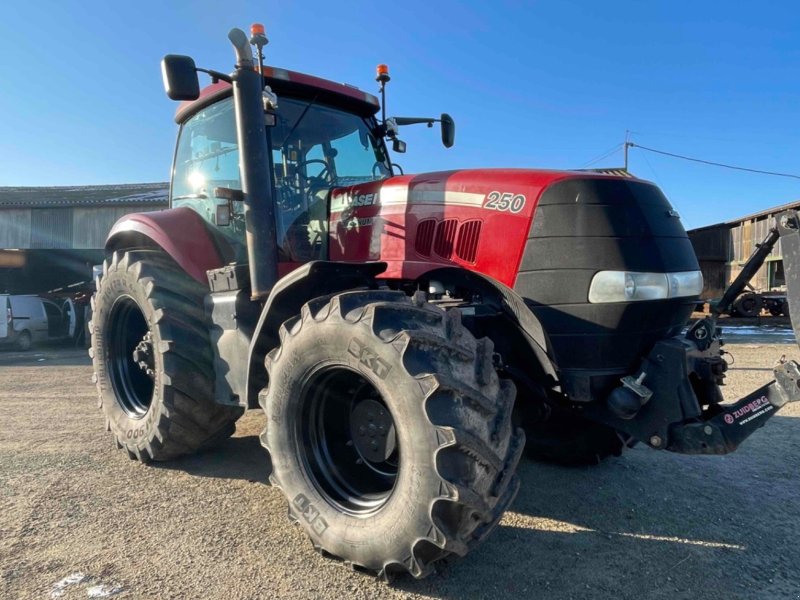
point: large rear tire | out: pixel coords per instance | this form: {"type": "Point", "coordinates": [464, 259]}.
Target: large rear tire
{"type": "Point", "coordinates": [389, 431]}
{"type": "Point", "coordinates": [152, 359]}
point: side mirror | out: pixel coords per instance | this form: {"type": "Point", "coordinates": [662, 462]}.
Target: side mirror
{"type": "Point", "coordinates": [448, 130]}
{"type": "Point", "coordinates": [180, 77]}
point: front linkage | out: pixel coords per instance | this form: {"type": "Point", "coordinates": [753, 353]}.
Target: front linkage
{"type": "Point", "coordinates": [674, 401]}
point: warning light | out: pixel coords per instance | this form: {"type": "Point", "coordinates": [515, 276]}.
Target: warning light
{"type": "Point", "coordinates": [257, 36]}
{"type": "Point", "coordinates": [382, 73]}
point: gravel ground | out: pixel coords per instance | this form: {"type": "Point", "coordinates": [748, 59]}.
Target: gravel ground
{"type": "Point", "coordinates": [78, 519]}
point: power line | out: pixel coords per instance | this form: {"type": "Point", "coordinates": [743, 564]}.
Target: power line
{"type": "Point", "coordinates": [709, 162]}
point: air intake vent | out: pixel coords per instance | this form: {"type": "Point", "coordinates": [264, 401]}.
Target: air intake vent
{"type": "Point", "coordinates": [445, 238]}
{"type": "Point", "coordinates": [424, 238]}
{"type": "Point", "coordinates": [467, 245]}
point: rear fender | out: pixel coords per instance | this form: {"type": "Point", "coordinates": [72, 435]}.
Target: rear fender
{"type": "Point", "coordinates": [180, 232]}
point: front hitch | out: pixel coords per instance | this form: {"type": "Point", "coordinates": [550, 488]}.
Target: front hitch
{"type": "Point", "coordinates": [724, 432]}
{"type": "Point", "coordinates": [677, 404]}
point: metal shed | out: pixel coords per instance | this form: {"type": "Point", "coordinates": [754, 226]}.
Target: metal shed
{"type": "Point", "coordinates": [51, 236]}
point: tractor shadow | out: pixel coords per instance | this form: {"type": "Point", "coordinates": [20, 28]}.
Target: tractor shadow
{"type": "Point", "coordinates": [647, 524]}
{"type": "Point", "coordinates": [239, 457]}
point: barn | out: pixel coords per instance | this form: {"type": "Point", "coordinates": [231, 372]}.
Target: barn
{"type": "Point", "coordinates": [50, 237]}
{"type": "Point", "coordinates": [723, 248]}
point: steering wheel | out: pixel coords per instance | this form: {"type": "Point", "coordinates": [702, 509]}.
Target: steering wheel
{"type": "Point", "coordinates": [324, 176]}
{"type": "Point", "coordinates": [378, 170]}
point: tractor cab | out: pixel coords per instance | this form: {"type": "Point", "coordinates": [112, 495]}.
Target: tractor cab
{"type": "Point", "coordinates": [318, 141]}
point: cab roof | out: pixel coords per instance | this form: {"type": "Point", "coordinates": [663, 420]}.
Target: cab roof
{"type": "Point", "coordinates": [292, 83]}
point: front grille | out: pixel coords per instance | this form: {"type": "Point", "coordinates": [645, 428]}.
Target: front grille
{"type": "Point", "coordinates": [445, 238]}
{"type": "Point", "coordinates": [424, 237]}
{"type": "Point", "coordinates": [467, 244]}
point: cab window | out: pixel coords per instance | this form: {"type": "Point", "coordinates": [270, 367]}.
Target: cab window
{"type": "Point", "coordinates": [314, 149]}
{"type": "Point", "coordinates": [208, 157]}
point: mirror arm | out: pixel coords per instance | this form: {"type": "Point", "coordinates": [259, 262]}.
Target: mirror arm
{"type": "Point", "coordinates": [215, 75]}
{"type": "Point", "coordinates": [416, 120]}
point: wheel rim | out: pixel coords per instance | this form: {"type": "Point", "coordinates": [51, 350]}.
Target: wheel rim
{"type": "Point", "coordinates": [25, 341]}
{"type": "Point", "coordinates": [130, 357]}
{"type": "Point", "coordinates": [348, 441]}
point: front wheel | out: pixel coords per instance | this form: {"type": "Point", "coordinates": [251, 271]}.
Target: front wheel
{"type": "Point", "coordinates": [571, 440]}
{"type": "Point", "coordinates": [389, 431]}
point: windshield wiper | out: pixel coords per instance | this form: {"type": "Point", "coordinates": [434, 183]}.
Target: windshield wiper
{"type": "Point", "coordinates": [300, 118]}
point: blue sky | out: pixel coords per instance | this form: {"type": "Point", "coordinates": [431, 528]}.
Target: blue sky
{"type": "Point", "coordinates": [530, 84]}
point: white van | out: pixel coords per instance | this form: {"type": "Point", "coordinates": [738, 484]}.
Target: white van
{"type": "Point", "coordinates": [28, 320]}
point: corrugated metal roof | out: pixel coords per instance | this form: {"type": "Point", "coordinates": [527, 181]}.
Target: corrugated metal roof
{"type": "Point", "coordinates": [128, 194]}
{"type": "Point", "coordinates": [763, 213]}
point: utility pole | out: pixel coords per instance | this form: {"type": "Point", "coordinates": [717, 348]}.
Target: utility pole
{"type": "Point", "coordinates": [627, 145]}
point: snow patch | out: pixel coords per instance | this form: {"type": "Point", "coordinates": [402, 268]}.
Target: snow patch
{"type": "Point", "coordinates": [97, 589]}
{"type": "Point", "coordinates": [60, 587]}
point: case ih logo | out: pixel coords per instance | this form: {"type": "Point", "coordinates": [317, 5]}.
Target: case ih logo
{"type": "Point", "coordinates": [368, 358]}
{"type": "Point", "coordinates": [348, 200]}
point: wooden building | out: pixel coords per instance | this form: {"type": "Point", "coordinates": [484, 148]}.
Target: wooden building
{"type": "Point", "coordinates": [723, 248]}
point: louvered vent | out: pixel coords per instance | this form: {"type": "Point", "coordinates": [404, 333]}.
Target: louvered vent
{"type": "Point", "coordinates": [424, 239]}
{"type": "Point", "coordinates": [467, 245]}
{"type": "Point", "coordinates": [445, 238]}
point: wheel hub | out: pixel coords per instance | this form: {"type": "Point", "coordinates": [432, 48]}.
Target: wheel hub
{"type": "Point", "coordinates": [350, 446]}
{"type": "Point", "coordinates": [372, 431]}
{"type": "Point", "coordinates": [143, 355]}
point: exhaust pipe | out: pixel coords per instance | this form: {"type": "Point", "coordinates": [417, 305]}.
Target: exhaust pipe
{"type": "Point", "coordinates": [255, 160]}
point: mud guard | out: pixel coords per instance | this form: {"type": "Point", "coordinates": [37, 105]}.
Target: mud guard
{"type": "Point", "coordinates": [311, 280]}
{"type": "Point", "coordinates": [180, 232]}
{"type": "Point", "coordinates": [511, 304]}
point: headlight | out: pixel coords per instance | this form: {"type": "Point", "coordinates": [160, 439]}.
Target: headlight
{"type": "Point", "coordinates": [624, 286]}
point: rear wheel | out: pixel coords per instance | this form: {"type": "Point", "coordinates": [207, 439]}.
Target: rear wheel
{"type": "Point", "coordinates": [152, 359]}
{"type": "Point", "coordinates": [24, 341]}
{"type": "Point", "coordinates": [389, 431]}
{"type": "Point", "coordinates": [748, 305]}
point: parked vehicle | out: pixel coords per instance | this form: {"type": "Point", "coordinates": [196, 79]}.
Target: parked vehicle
{"type": "Point", "coordinates": [30, 320]}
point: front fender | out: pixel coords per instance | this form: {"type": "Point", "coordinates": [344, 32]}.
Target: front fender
{"type": "Point", "coordinates": [309, 281]}
{"type": "Point", "coordinates": [180, 232]}
{"type": "Point", "coordinates": [509, 303]}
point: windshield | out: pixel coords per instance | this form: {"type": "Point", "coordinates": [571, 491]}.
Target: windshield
{"type": "Point", "coordinates": [315, 148]}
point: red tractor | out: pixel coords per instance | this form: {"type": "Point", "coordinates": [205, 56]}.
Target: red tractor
{"type": "Point", "coordinates": [386, 323]}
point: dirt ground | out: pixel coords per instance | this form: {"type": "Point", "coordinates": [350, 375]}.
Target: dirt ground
{"type": "Point", "coordinates": [78, 519]}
